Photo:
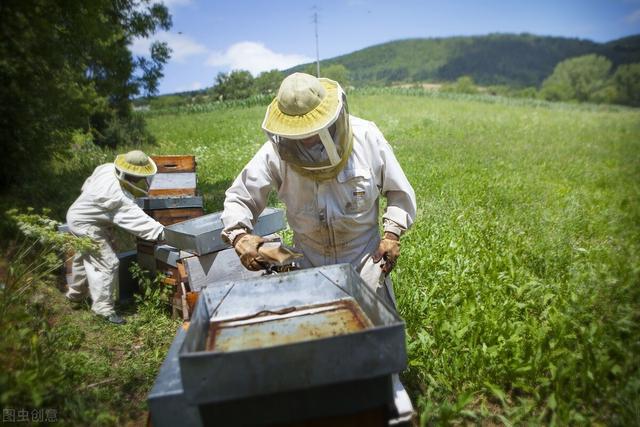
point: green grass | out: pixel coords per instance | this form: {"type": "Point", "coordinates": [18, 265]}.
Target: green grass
{"type": "Point", "coordinates": [113, 368]}
{"type": "Point", "coordinates": [520, 279]}
{"type": "Point", "coordinates": [519, 282]}
{"type": "Point", "coordinates": [69, 362]}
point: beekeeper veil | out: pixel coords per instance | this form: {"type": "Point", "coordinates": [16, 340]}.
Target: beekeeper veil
{"type": "Point", "coordinates": [134, 170]}
{"type": "Point", "coordinates": [309, 109]}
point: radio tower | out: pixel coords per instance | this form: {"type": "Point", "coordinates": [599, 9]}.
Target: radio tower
{"type": "Point", "coordinates": [315, 22]}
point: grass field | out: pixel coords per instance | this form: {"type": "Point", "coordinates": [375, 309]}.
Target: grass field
{"type": "Point", "coordinates": [519, 281]}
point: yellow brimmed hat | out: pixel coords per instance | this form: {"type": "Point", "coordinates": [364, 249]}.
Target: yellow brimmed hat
{"type": "Point", "coordinates": [136, 163]}
{"type": "Point", "coordinates": [304, 105]}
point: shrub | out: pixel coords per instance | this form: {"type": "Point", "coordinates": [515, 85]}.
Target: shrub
{"type": "Point", "coordinates": [463, 84]}
{"type": "Point", "coordinates": [154, 296]}
{"type": "Point", "coordinates": [577, 79]}
{"type": "Point", "coordinates": [31, 370]}
{"type": "Point", "coordinates": [626, 83]}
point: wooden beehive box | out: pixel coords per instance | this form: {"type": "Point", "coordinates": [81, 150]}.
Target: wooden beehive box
{"type": "Point", "coordinates": [176, 176]}
{"type": "Point", "coordinates": [172, 164]}
{"type": "Point", "coordinates": [173, 191]}
{"type": "Point", "coordinates": [172, 199]}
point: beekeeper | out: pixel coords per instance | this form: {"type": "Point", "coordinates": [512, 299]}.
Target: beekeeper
{"type": "Point", "coordinates": [108, 200]}
{"type": "Point", "coordinates": [329, 168]}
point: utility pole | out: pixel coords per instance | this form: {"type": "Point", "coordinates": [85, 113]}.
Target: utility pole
{"type": "Point", "coordinates": [315, 22]}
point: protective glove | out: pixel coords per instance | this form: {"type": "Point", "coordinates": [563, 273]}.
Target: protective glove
{"type": "Point", "coordinates": [246, 246]}
{"type": "Point", "coordinates": [276, 254]}
{"type": "Point", "coordinates": [389, 250]}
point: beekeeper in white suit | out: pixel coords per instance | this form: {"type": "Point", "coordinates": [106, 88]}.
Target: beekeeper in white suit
{"type": "Point", "coordinates": [107, 200]}
{"type": "Point", "coordinates": [329, 168]}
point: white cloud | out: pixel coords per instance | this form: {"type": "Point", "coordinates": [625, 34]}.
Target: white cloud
{"type": "Point", "coordinates": [181, 46]}
{"type": "Point", "coordinates": [192, 86]}
{"type": "Point", "coordinates": [633, 17]}
{"type": "Point", "coordinates": [254, 57]}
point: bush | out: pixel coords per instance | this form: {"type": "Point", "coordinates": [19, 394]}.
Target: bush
{"type": "Point", "coordinates": [463, 84]}
{"type": "Point", "coordinates": [155, 296]}
{"type": "Point", "coordinates": [581, 79]}
{"type": "Point", "coordinates": [268, 82]}
{"type": "Point", "coordinates": [74, 367]}
{"type": "Point", "coordinates": [626, 83]}
{"type": "Point", "coordinates": [337, 72]}
{"type": "Point", "coordinates": [127, 131]}
{"type": "Point", "coordinates": [238, 84]}
{"type": "Point", "coordinates": [31, 370]}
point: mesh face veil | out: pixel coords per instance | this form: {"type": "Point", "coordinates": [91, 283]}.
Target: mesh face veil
{"type": "Point", "coordinates": [328, 156]}
{"type": "Point", "coordinates": [137, 186]}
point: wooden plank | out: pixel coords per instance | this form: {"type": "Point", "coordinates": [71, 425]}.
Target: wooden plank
{"type": "Point", "coordinates": [169, 281]}
{"type": "Point", "coordinates": [171, 272]}
{"type": "Point", "coordinates": [177, 163]}
{"type": "Point", "coordinates": [68, 261]}
{"type": "Point", "coordinates": [172, 192]}
{"type": "Point", "coordinates": [186, 313]}
{"type": "Point", "coordinates": [183, 273]}
{"type": "Point", "coordinates": [173, 216]}
{"type": "Point", "coordinates": [192, 299]}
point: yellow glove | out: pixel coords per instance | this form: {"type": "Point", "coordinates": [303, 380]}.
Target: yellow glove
{"type": "Point", "coordinates": [389, 250]}
{"type": "Point", "coordinates": [246, 246]}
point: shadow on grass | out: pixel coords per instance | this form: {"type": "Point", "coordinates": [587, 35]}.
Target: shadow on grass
{"type": "Point", "coordinates": [213, 194]}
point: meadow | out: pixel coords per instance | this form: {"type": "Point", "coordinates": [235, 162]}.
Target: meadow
{"type": "Point", "coordinates": [519, 281]}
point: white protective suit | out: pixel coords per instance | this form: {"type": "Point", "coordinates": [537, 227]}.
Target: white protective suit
{"type": "Point", "coordinates": [102, 205]}
{"type": "Point", "coordinates": [334, 221]}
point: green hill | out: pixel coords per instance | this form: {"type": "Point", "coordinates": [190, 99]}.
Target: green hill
{"type": "Point", "coordinates": [511, 59]}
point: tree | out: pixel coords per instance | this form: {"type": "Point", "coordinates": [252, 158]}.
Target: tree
{"type": "Point", "coordinates": [337, 72]}
{"type": "Point", "coordinates": [626, 83]}
{"type": "Point", "coordinates": [237, 84]}
{"type": "Point", "coordinates": [583, 79]}
{"type": "Point", "coordinates": [268, 82]}
{"type": "Point", "coordinates": [464, 84]}
{"type": "Point", "coordinates": [66, 66]}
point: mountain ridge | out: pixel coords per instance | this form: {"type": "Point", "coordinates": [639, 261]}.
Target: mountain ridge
{"type": "Point", "coordinates": [498, 58]}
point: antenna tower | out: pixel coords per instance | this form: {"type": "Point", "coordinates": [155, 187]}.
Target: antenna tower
{"type": "Point", "coordinates": [315, 22]}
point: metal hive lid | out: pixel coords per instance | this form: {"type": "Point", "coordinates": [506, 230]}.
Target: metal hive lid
{"type": "Point", "coordinates": [210, 376]}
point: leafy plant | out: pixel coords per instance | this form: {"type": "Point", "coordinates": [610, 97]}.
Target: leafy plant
{"type": "Point", "coordinates": [155, 295]}
{"type": "Point", "coordinates": [29, 373]}
{"type": "Point", "coordinates": [238, 84]}
{"type": "Point", "coordinates": [626, 81]}
{"type": "Point", "coordinates": [36, 254]}
{"type": "Point", "coordinates": [71, 69]}
{"type": "Point", "coordinates": [577, 79]}
{"type": "Point", "coordinates": [463, 84]}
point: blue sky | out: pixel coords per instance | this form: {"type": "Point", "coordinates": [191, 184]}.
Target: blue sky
{"type": "Point", "coordinates": [209, 37]}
